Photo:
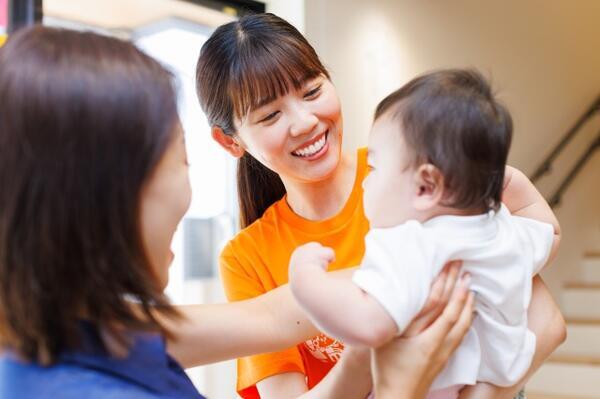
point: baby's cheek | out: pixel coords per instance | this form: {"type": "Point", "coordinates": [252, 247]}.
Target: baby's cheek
{"type": "Point", "coordinates": [369, 209]}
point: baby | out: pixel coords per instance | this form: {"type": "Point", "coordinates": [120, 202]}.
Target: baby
{"type": "Point", "coordinates": [437, 155]}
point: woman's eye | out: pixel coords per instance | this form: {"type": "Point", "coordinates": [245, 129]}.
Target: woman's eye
{"type": "Point", "coordinates": [313, 93]}
{"type": "Point", "coordinates": [269, 117]}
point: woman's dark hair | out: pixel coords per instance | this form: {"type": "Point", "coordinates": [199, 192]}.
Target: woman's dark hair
{"type": "Point", "coordinates": [451, 119]}
{"type": "Point", "coordinates": [84, 119]}
{"type": "Point", "coordinates": [242, 65]}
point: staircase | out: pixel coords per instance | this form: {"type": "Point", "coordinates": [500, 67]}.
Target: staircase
{"type": "Point", "coordinates": [573, 371]}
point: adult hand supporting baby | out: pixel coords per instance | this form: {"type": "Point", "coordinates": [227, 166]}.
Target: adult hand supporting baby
{"type": "Point", "coordinates": [406, 367]}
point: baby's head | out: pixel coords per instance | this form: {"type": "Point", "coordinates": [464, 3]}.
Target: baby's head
{"type": "Point", "coordinates": [438, 146]}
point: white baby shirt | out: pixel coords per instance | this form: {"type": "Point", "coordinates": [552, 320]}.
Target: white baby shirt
{"type": "Point", "coordinates": [502, 252]}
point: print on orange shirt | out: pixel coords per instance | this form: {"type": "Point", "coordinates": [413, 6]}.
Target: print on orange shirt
{"type": "Point", "coordinates": [324, 348]}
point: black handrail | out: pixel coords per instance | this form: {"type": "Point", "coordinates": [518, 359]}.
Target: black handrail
{"type": "Point", "coordinates": [556, 198]}
{"type": "Point", "coordinates": [546, 165]}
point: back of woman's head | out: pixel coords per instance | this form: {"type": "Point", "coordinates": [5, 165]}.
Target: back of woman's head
{"type": "Point", "coordinates": [241, 66]}
{"type": "Point", "coordinates": [84, 120]}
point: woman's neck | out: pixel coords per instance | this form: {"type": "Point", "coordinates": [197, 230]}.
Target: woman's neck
{"type": "Point", "coordinates": [323, 199]}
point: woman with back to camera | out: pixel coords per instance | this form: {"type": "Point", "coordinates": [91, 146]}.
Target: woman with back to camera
{"type": "Point", "coordinates": [271, 104]}
{"type": "Point", "coordinates": [94, 181]}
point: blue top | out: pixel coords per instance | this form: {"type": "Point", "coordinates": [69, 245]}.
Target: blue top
{"type": "Point", "coordinates": [147, 372]}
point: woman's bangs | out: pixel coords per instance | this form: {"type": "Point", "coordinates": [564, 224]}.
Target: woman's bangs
{"type": "Point", "coordinates": [262, 77]}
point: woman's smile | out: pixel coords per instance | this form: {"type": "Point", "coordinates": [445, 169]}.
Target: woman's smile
{"type": "Point", "coordinates": [313, 149]}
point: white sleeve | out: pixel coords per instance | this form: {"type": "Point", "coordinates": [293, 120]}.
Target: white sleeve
{"type": "Point", "coordinates": [540, 236]}
{"type": "Point", "coordinates": [397, 270]}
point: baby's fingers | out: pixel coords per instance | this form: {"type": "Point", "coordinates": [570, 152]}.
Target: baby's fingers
{"type": "Point", "coordinates": [327, 253]}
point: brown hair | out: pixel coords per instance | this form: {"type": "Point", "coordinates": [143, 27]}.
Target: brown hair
{"type": "Point", "coordinates": [242, 65]}
{"type": "Point", "coordinates": [85, 119]}
{"type": "Point", "coordinates": [451, 119]}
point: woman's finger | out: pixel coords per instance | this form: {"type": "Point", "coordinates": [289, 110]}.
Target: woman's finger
{"type": "Point", "coordinates": [436, 291]}
{"type": "Point", "coordinates": [453, 272]}
{"type": "Point", "coordinates": [441, 327]}
{"type": "Point", "coordinates": [440, 293]}
{"type": "Point", "coordinates": [432, 308]}
{"type": "Point", "coordinates": [460, 328]}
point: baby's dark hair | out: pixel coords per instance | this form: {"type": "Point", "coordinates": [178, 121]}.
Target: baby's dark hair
{"type": "Point", "coordinates": [451, 119]}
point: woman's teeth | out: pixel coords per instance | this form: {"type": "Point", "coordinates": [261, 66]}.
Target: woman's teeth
{"type": "Point", "coordinates": [311, 149]}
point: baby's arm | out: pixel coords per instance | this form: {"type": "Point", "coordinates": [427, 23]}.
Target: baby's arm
{"type": "Point", "coordinates": [522, 199]}
{"type": "Point", "coordinates": [336, 305]}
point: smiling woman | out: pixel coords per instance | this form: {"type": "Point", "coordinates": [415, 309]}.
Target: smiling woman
{"type": "Point", "coordinates": [271, 104]}
{"type": "Point", "coordinates": [296, 72]}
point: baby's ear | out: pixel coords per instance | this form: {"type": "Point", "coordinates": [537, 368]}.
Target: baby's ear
{"type": "Point", "coordinates": [429, 187]}
{"type": "Point", "coordinates": [228, 142]}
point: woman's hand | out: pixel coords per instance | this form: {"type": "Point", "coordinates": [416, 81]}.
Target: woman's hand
{"type": "Point", "coordinates": [439, 296]}
{"type": "Point", "coordinates": [406, 367]}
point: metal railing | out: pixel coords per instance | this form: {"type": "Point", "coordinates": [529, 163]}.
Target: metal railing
{"type": "Point", "coordinates": [546, 166]}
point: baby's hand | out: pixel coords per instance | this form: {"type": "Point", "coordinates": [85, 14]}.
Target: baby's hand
{"type": "Point", "coordinates": [308, 259]}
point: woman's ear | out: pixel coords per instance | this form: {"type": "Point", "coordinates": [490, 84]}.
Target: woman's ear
{"type": "Point", "coordinates": [228, 142]}
{"type": "Point", "coordinates": [429, 186]}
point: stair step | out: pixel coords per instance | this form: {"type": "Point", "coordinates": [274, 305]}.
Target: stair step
{"type": "Point", "coordinates": [582, 285]}
{"type": "Point", "coordinates": [589, 360]}
{"type": "Point", "coordinates": [583, 339]}
{"type": "Point", "coordinates": [581, 300]}
{"type": "Point", "coordinates": [590, 268]}
{"type": "Point", "coordinates": [536, 395]}
{"type": "Point", "coordinates": [572, 379]}
{"type": "Point", "coordinates": [582, 321]}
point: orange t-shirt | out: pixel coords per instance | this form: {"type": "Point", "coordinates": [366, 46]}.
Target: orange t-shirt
{"type": "Point", "coordinates": [256, 261]}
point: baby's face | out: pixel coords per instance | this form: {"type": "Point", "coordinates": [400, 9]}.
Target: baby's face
{"type": "Point", "coordinates": [389, 188]}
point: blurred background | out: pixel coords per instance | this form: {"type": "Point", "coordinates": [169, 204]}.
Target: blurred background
{"type": "Point", "coordinates": [543, 57]}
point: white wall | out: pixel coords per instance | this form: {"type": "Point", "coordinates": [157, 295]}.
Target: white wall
{"type": "Point", "coordinates": [290, 10]}
{"type": "Point", "coordinates": [543, 57]}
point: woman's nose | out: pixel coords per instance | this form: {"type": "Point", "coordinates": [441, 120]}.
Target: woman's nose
{"type": "Point", "coordinates": [303, 121]}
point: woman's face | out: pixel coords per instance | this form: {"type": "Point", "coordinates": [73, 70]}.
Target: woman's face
{"type": "Point", "coordinates": [165, 198]}
{"type": "Point", "coordinates": [298, 135]}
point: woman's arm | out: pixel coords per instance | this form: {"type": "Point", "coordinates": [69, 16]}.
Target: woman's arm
{"type": "Point", "coordinates": [547, 323]}
{"type": "Point", "coordinates": [269, 322]}
{"type": "Point", "coordinates": [213, 333]}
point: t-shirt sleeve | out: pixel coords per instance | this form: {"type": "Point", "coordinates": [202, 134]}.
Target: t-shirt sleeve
{"type": "Point", "coordinates": [239, 283]}
{"type": "Point", "coordinates": [399, 265]}
{"type": "Point", "coordinates": [541, 238]}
